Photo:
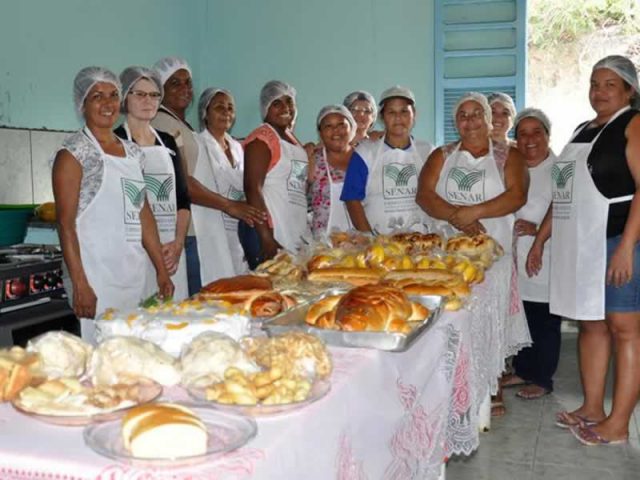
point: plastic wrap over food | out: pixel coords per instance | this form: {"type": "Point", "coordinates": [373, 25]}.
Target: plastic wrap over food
{"type": "Point", "coordinates": [127, 359]}
{"type": "Point", "coordinates": [208, 356]}
{"type": "Point", "coordinates": [62, 354]}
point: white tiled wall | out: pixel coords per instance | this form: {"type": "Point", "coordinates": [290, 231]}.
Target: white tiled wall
{"type": "Point", "coordinates": [25, 175]}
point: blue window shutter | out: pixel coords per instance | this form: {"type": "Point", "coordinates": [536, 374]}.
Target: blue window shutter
{"type": "Point", "coordinates": [480, 46]}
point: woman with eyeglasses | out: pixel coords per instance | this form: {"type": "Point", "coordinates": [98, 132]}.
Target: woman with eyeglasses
{"type": "Point", "coordinates": [166, 185]}
{"type": "Point", "coordinates": [381, 182]}
{"type": "Point", "coordinates": [104, 220]}
{"type": "Point", "coordinates": [175, 76]}
{"type": "Point", "coordinates": [219, 202]}
{"type": "Point", "coordinates": [363, 107]}
{"type": "Point", "coordinates": [475, 186]}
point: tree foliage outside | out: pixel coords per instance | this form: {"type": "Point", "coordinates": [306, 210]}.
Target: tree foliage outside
{"type": "Point", "coordinates": [553, 22]}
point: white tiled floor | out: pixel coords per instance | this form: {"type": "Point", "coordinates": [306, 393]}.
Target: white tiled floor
{"type": "Point", "coordinates": [525, 444]}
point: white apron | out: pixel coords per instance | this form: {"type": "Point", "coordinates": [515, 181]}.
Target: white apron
{"type": "Point", "coordinates": [466, 180]}
{"type": "Point", "coordinates": [392, 184]}
{"type": "Point", "coordinates": [228, 182]}
{"type": "Point", "coordinates": [338, 216]}
{"type": "Point", "coordinates": [579, 235]}
{"type": "Point", "coordinates": [536, 288]}
{"type": "Point", "coordinates": [110, 237]}
{"type": "Point", "coordinates": [213, 245]}
{"type": "Point", "coordinates": [160, 179]}
{"type": "Point", "coordinates": [285, 194]}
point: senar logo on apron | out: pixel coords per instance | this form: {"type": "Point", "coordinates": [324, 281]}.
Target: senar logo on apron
{"type": "Point", "coordinates": [562, 175]}
{"type": "Point", "coordinates": [399, 180]}
{"type": "Point", "coordinates": [465, 186]}
{"type": "Point", "coordinates": [297, 182]}
{"type": "Point", "coordinates": [231, 223]}
{"type": "Point", "coordinates": [159, 193]}
{"type": "Point", "coordinates": [133, 192]}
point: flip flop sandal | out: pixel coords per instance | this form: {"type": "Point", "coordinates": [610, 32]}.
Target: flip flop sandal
{"type": "Point", "coordinates": [568, 420]}
{"type": "Point", "coordinates": [526, 395]}
{"type": "Point", "coordinates": [506, 383]}
{"type": "Point", "coordinates": [588, 436]}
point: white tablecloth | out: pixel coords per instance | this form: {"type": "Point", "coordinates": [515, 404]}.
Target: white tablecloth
{"type": "Point", "coordinates": [394, 416]}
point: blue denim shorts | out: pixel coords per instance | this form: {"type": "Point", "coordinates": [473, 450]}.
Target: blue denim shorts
{"type": "Point", "coordinates": [627, 297]}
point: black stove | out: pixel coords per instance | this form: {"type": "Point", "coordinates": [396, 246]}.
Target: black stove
{"type": "Point", "coordinates": [32, 297]}
{"type": "Point", "coordinates": [29, 275]}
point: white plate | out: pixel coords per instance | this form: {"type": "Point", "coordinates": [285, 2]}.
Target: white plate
{"type": "Point", "coordinates": [319, 389]}
{"type": "Point", "coordinates": [226, 431]}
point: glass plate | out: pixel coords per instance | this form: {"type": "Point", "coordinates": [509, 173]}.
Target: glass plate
{"type": "Point", "coordinates": [226, 432]}
{"type": "Point", "coordinates": [148, 391]}
{"type": "Point", "coordinates": [319, 389]}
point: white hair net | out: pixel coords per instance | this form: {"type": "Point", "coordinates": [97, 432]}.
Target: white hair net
{"type": "Point", "coordinates": [626, 70]}
{"type": "Point", "coordinates": [504, 99]}
{"type": "Point", "coordinates": [340, 110]}
{"type": "Point", "coordinates": [167, 66]}
{"type": "Point", "coordinates": [479, 99]}
{"type": "Point", "coordinates": [272, 91]}
{"type": "Point", "coordinates": [87, 78]}
{"type": "Point", "coordinates": [353, 97]}
{"type": "Point", "coordinates": [205, 100]}
{"type": "Point", "coordinates": [130, 76]}
{"type": "Point", "coordinates": [532, 113]}
{"type": "Point", "coordinates": [397, 91]}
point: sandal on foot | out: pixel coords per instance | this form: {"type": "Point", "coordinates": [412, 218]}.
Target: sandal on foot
{"type": "Point", "coordinates": [498, 409]}
{"type": "Point", "coordinates": [532, 392]}
{"type": "Point", "coordinates": [512, 380]}
{"type": "Point", "coordinates": [588, 436]}
{"type": "Point", "coordinates": [567, 420]}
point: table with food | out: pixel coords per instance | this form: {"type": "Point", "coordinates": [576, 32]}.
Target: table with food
{"type": "Point", "coordinates": [358, 357]}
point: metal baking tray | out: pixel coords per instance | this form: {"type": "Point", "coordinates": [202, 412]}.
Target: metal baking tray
{"type": "Point", "coordinates": [393, 342]}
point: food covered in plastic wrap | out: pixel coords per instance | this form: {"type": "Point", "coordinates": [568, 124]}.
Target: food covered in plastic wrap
{"type": "Point", "coordinates": [62, 354]}
{"type": "Point", "coordinates": [18, 368]}
{"type": "Point", "coordinates": [127, 359]}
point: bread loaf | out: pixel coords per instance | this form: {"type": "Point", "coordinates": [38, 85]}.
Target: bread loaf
{"type": "Point", "coordinates": [163, 430]}
{"type": "Point", "coordinates": [266, 304]}
{"type": "Point", "coordinates": [320, 309]}
{"type": "Point", "coordinates": [241, 286]}
{"type": "Point", "coordinates": [354, 276]}
{"type": "Point", "coordinates": [433, 276]}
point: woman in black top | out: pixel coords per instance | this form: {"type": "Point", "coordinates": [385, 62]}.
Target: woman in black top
{"type": "Point", "coordinates": [596, 228]}
{"type": "Point", "coordinates": [166, 183]}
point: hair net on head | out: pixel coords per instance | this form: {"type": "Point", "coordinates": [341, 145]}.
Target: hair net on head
{"type": "Point", "coordinates": [397, 91]}
{"type": "Point", "coordinates": [340, 110]}
{"type": "Point", "coordinates": [130, 76]}
{"type": "Point", "coordinates": [272, 91]}
{"type": "Point", "coordinates": [478, 98]}
{"type": "Point", "coordinates": [167, 66]}
{"type": "Point", "coordinates": [626, 70]}
{"type": "Point", "coordinates": [205, 100]}
{"type": "Point", "coordinates": [87, 78]}
{"type": "Point", "coordinates": [532, 113]}
{"type": "Point", "coordinates": [353, 97]}
{"type": "Point", "coordinates": [503, 99]}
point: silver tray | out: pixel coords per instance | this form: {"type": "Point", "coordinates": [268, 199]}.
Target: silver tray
{"type": "Point", "coordinates": [393, 342]}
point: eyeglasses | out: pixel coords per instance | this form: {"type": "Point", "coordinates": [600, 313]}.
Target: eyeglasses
{"type": "Point", "coordinates": [366, 111]}
{"type": "Point", "coordinates": [142, 95]}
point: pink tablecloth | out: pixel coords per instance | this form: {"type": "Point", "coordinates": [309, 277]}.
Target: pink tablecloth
{"type": "Point", "coordinates": [393, 416]}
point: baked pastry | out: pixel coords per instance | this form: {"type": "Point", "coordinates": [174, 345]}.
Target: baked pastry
{"type": "Point", "coordinates": [208, 356]}
{"type": "Point", "coordinates": [474, 246]}
{"type": "Point", "coordinates": [163, 430]}
{"type": "Point", "coordinates": [374, 308]}
{"type": "Point", "coordinates": [353, 276]}
{"type": "Point", "coordinates": [17, 369]}
{"type": "Point", "coordinates": [237, 289]}
{"type": "Point", "coordinates": [323, 312]}
{"type": "Point", "coordinates": [419, 242]}
{"type": "Point", "coordinates": [127, 359]}
{"type": "Point", "coordinates": [267, 304]}
{"type": "Point", "coordinates": [62, 354]}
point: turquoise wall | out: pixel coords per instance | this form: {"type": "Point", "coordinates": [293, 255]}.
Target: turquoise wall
{"type": "Point", "coordinates": [324, 48]}
{"type": "Point", "coordinates": [45, 43]}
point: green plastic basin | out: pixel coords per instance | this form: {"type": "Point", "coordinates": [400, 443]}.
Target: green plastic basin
{"type": "Point", "coordinates": [13, 223]}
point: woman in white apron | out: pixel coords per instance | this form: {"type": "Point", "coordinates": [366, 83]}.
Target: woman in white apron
{"type": "Point", "coordinates": [165, 181]}
{"type": "Point", "coordinates": [535, 366]}
{"type": "Point", "coordinates": [328, 164]}
{"type": "Point", "coordinates": [503, 112]}
{"type": "Point", "coordinates": [595, 272]}
{"type": "Point", "coordinates": [219, 199]}
{"type": "Point", "coordinates": [476, 185]}
{"type": "Point", "coordinates": [104, 221]}
{"type": "Point", "coordinates": [363, 107]}
{"type": "Point", "coordinates": [382, 179]}
{"type": "Point", "coordinates": [276, 174]}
